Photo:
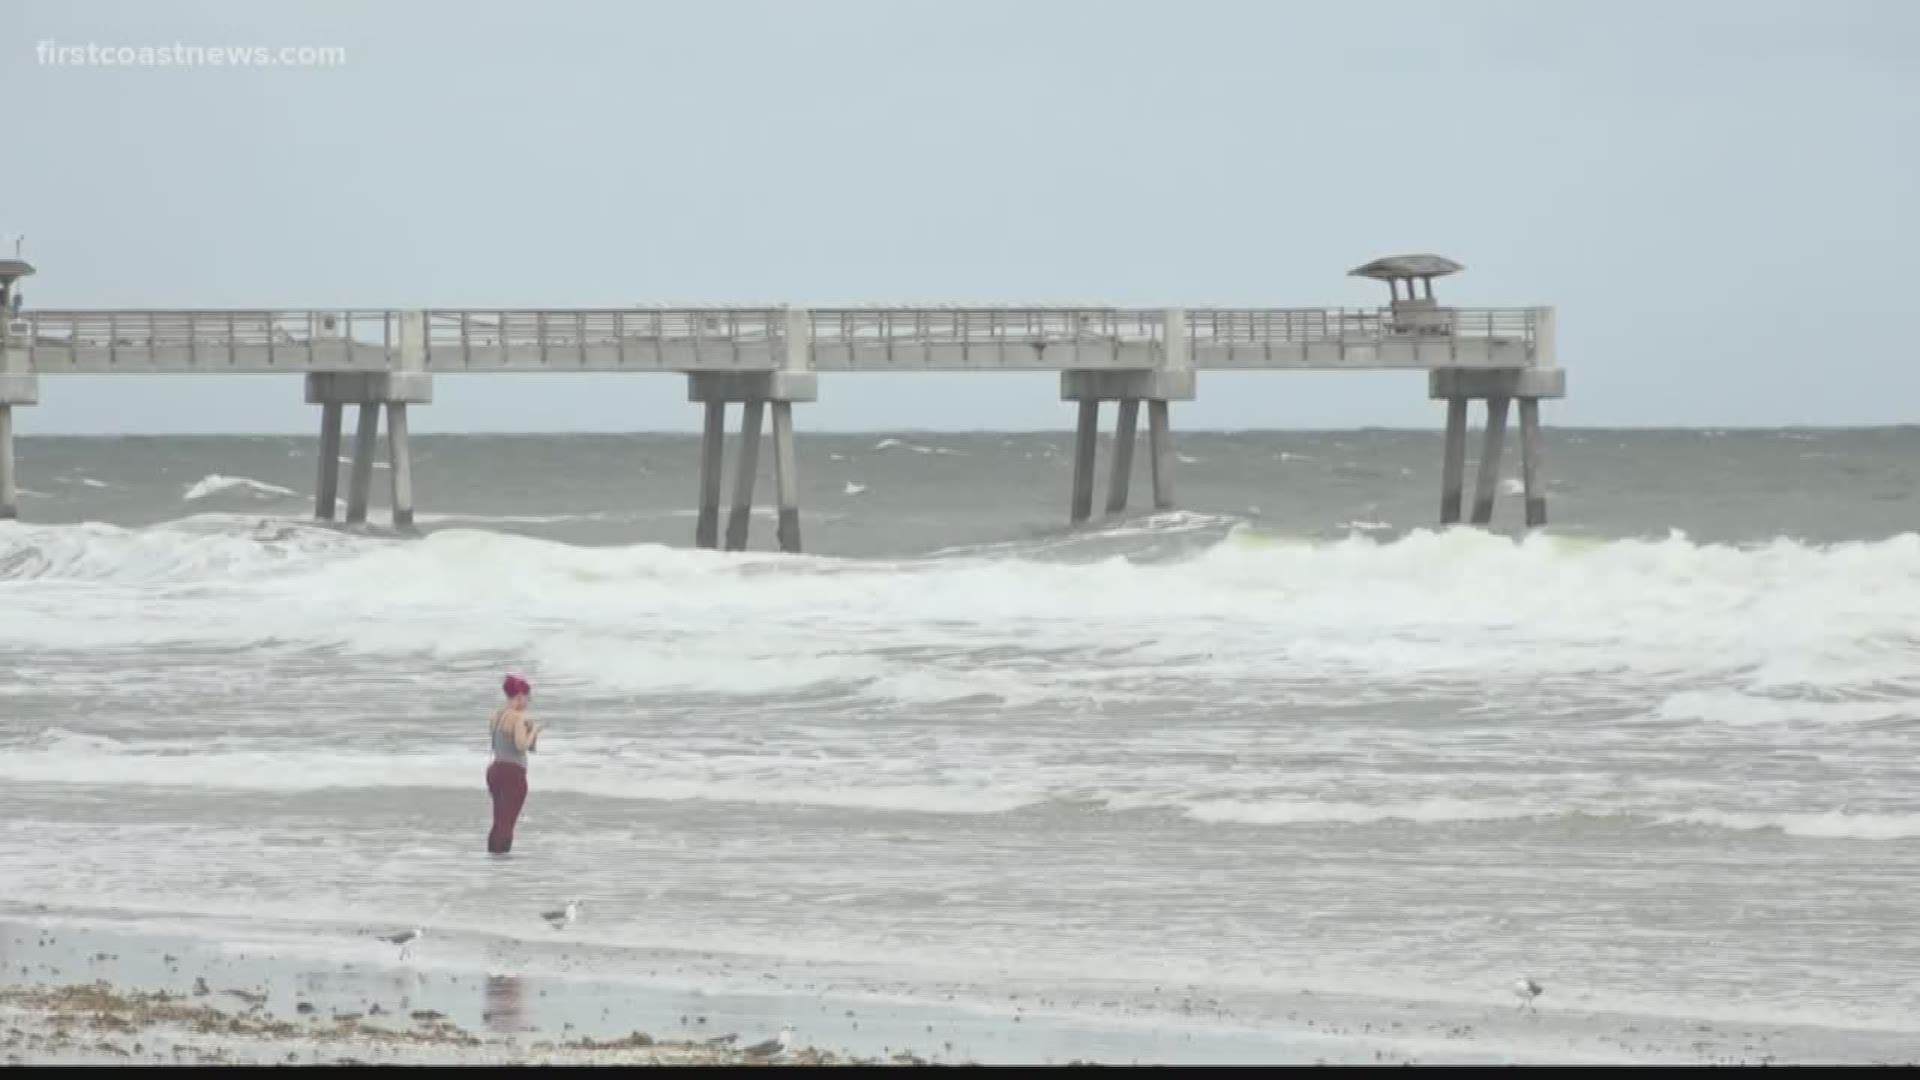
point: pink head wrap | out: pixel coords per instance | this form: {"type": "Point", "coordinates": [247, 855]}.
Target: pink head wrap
{"type": "Point", "coordinates": [515, 686]}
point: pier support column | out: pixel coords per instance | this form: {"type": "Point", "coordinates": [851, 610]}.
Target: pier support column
{"type": "Point", "coordinates": [326, 488]}
{"type": "Point", "coordinates": [713, 441]}
{"type": "Point", "coordinates": [1453, 461]}
{"type": "Point", "coordinates": [9, 486]}
{"type": "Point", "coordinates": [755, 390]}
{"type": "Point", "coordinates": [372, 391]}
{"type": "Point", "coordinates": [1497, 386]}
{"type": "Point", "coordinates": [400, 464]}
{"type": "Point", "coordinates": [746, 467]}
{"type": "Point", "coordinates": [1129, 388]}
{"type": "Point", "coordinates": [1125, 429]}
{"type": "Point", "coordinates": [360, 481]}
{"type": "Point", "coordinates": [1160, 446]}
{"type": "Point", "coordinates": [16, 388]}
{"type": "Point", "coordinates": [1487, 484]}
{"type": "Point", "coordinates": [786, 479]}
{"type": "Point", "coordinates": [1085, 442]}
{"type": "Point", "coordinates": [1530, 463]}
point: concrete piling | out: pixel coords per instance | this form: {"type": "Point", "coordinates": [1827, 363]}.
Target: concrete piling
{"type": "Point", "coordinates": [372, 391]}
{"type": "Point", "coordinates": [1497, 387]}
{"type": "Point", "coordinates": [786, 479]}
{"type": "Point", "coordinates": [9, 484]}
{"type": "Point", "coordinates": [1453, 462]}
{"type": "Point", "coordinates": [1128, 387]}
{"type": "Point", "coordinates": [1084, 444]}
{"type": "Point", "coordinates": [1536, 496]}
{"type": "Point", "coordinates": [1125, 429]}
{"type": "Point", "coordinates": [360, 481]}
{"type": "Point", "coordinates": [1487, 483]}
{"type": "Point", "coordinates": [1160, 446]}
{"type": "Point", "coordinates": [713, 439]}
{"type": "Point", "coordinates": [755, 390]}
{"type": "Point", "coordinates": [18, 383]}
{"type": "Point", "coordinates": [400, 464]}
{"type": "Point", "coordinates": [746, 468]}
{"type": "Point", "coordinates": [326, 488]}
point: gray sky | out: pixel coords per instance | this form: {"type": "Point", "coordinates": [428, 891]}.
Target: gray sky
{"type": "Point", "coordinates": [1718, 195]}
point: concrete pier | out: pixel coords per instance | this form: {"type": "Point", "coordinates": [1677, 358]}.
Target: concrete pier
{"type": "Point", "coordinates": [1170, 378]}
{"type": "Point", "coordinates": [766, 358]}
{"type": "Point", "coordinates": [1458, 387]}
{"type": "Point", "coordinates": [392, 391]}
{"type": "Point", "coordinates": [755, 391]}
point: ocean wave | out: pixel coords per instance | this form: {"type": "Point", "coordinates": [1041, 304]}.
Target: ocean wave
{"type": "Point", "coordinates": [210, 547]}
{"type": "Point", "coordinates": [1828, 825]}
{"type": "Point", "coordinates": [62, 758]}
{"type": "Point", "coordinates": [1817, 626]}
{"type": "Point", "coordinates": [67, 761]}
{"type": "Point", "coordinates": [1317, 812]}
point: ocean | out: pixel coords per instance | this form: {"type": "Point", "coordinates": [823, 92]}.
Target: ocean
{"type": "Point", "coordinates": [1289, 738]}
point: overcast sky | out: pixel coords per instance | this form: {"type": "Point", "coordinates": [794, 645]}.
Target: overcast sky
{"type": "Point", "coordinates": [1722, 197]}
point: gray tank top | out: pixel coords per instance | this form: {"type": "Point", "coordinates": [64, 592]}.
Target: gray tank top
{"type": "Point", "coordinates": [505, 750]}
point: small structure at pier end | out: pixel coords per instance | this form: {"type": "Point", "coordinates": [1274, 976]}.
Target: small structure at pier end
{"type": "Point", "coordinates": [767, 359]}
{"type": "Point", "coordinates": [1421, 315]}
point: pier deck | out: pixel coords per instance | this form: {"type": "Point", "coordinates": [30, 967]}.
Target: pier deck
{"type": "Point", "coordinates": [761, 339]}
{"type": "Point", "coordinates": [765, 359]}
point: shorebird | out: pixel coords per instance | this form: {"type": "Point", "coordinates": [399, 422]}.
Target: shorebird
{"type": "Point", "coordinates": [560, 918]}
{"type": "Point", "coordinates": [772, 1046]}
{"type": "Point", "coordinates": [1526, 990]}
{"type": "Point", "coordinates": [405, 940]}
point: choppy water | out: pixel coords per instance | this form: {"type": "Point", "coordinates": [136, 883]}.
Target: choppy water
{"type": "Point", "coordinates": [1662, 758]}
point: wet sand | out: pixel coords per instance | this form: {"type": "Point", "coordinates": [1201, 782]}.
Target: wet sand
{"type": "Point", "coordinates": [77, 993]}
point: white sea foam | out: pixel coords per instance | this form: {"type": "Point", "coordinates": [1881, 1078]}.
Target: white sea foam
{"type": "Point", "coordinates": [1314, 812]}
{"type": "Point", "coordinates": [901, 444]}
{"type": "Point", "coordinates": [78, 760]}
{"type": "Point", "coordinates": [216, 484]}
{"type": "Point", "coordinates": [1427, 605]}
{"type": "Point", "coordinates": [1831, 825]}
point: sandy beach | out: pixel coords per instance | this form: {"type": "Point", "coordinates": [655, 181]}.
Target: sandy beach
{"type": "Point", "coordinates": [79, 992]}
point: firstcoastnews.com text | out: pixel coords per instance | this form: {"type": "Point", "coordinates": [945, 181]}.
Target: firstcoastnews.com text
{"type": "Point", "coordinates": [93, 54]}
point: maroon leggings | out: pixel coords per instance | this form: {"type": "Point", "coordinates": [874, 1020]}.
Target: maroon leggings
{"type": "Point", "coordinates": [507, 783]}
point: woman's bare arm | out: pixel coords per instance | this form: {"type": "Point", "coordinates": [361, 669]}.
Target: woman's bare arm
{"type": "Point", "coordinates": [525, 732]}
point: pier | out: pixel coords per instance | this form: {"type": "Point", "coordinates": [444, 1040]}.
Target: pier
{"type": "Point", "coordinates": [767, 359]}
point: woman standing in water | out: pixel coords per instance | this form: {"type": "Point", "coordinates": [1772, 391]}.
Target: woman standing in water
{"type": "Point", "coordinates": [513, 736]}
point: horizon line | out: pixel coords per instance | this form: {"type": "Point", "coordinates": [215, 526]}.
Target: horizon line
{"type": "Point", "coordinates": [799, 433]}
